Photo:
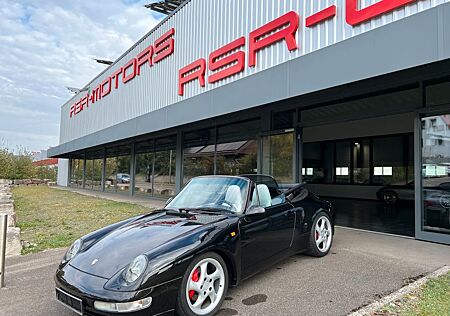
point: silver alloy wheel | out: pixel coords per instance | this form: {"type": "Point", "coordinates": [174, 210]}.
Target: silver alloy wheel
{"type": "Point", "coordinates": [205, 286]}
{"type": "Point", "coordinates": [323, 234]}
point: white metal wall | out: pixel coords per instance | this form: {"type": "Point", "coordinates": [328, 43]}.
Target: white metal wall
{"type": "Point", "coordinates": [201, 27]}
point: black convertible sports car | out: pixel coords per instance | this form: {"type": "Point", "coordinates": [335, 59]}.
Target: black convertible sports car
{"type": "Point", "coordinates": [216, 232]}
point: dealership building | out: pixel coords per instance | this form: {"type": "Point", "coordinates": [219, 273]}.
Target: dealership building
{"type": "Point", "coordinates": [351, 97]}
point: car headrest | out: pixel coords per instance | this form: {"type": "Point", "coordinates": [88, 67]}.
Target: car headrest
{"type": "Point", "coordinates": [265, 200]}
{"type": "Point", "coordinates": [234, 196]}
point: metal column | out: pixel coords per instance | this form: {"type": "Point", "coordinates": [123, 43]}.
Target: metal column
{"type": "Point", "coordinates": [132, 171]}
{"type": "Point", "coordinates": [179, 163]}
{"type": "Point", "coordinates": [3, 229]}
{"type": "Point", "coordinates": [84, 172]}
{"type": "Point", "coordinates": [104, 170]}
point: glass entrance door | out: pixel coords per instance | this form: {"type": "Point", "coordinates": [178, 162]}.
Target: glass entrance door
{"type": "Point", "coordinates": [278, 157]}
{"type": "Point", "coordinates": [436, 174]}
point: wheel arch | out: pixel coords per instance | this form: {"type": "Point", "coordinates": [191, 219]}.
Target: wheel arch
{"type": "Point", "coordinates": [230, 263]}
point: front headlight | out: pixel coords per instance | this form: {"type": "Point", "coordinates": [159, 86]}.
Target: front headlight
{"type": "Point", "coordinates": [73, 250]}
{"type": "Point", "coordinates": [135, 269]}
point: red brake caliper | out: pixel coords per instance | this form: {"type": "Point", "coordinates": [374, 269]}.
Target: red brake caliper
{"type": "Point", "coordinates": [195, 278]}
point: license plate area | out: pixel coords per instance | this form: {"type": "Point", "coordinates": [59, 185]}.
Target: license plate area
{"type": "Point", "coordinates": [70, 301]}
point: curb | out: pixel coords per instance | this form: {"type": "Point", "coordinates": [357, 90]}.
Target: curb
{"type": "Point", "coordinates": [377, 305]}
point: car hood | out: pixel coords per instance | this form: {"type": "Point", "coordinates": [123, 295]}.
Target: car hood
{"type": "Point", "coordinates": [117, 249]}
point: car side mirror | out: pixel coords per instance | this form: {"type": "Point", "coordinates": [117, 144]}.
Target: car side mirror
{"type": "Point", "coordinates": [168, 201]}
{"type": "Point", "coordinates": [254, 210]}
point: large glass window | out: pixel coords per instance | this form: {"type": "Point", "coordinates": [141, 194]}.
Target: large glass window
{"type": "Point", "coordinates": [155, 167]}
{"type": "Point", "coordinates": [389, 167]}
{"type": "Point", "coordinates": [318, 162]}
{"type": "Point", "coordinates": [164, 167]}
{"type": "Point", "coordinates": [198, 154]}
{"type": "Point", "coordinates": [361, 161]}
{"type": "Point", "coordinates": [76, 173]}
{"type": "Point", "coordinates": [436, 173]}
{"type": "Point", "coordinates": [387, 160]}
{"type": "Point", "coordinates": [118, 163]}
{"type": "Point", "coordinates": [144, 168]}
{"type": "Point", "coordinates": [342, 171]}
{"type": "Point", "coordinates": [236, 149]}
{"type": "Point", "coordinates": [278, 157]}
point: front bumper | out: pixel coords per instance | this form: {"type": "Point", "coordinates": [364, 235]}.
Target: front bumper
{"type": "Point", "coordinates": [89, 288]}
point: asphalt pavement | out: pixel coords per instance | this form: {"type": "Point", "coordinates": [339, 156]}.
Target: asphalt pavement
{"type": "Point", "coordinates": [360, 268]}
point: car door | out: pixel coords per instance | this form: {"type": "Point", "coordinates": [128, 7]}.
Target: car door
{"type": "Point", "coordinates": [265, 235]}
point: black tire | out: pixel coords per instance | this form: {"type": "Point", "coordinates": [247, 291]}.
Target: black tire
{"type": "Point", "coordinates": [313, 249]}
{"type": "Point", "coordinates": [183, 308]}
{"type": "Point", "coordinates": [389, 197]}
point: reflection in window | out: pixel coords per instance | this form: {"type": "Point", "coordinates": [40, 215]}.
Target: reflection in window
{"type": "Point", "coordinates": [155, 167]}
{"type": "Point", "coordinates": [318, 162]}
{"type": "Point", "coordinates": [164, 173]}
{"type": "Point", "coordinates": [436, 173]}
{"type": "Point", "coordinates": [236, 158]}
{"type": "Point", "coordinates": [361, 162]}
{"type": "Point", "coordinates": [236, 148]}
{"type": "Point", "coordinates": [372, 160]}
{"type": "Point", "coordinates": [76, 173]}
{"type": "Point", "coordinates": [343, 162]}
{"type": "Point", "coordinates": [118, 170]}
{"type": "Point", "coordinates": [198, 154]}
{"type": "Point", "coordinates": [388, 154]}
{"type": "Point", "coordinates": [144, 173]}
{"type": "Point", "coordinates": [278, 157]}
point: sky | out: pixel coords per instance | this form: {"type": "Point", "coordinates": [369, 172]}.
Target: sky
{"type": "Point", "coordinates": [47, 45]}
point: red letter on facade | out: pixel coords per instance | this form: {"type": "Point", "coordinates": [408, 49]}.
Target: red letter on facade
{"type": "Point", "coordinates": [96, 94]}
{"type": "Point", "coordinates": [355, 16]}
{"type": "Point", "coordinates": [235, 61]}
{"type": "Point", "coordinates": [105, 91]}
{"type": "Point", "coordinates": [290, 23]}
{"type": "Point", "coordinates": [321, 16]}
{"type": "Point", "coordinates": [72, 110]}
{"type": "Point", "coordinates": [164, 46]}
{"type": "Point", "coordinates": [131, 64]}
{"type": "Point", "coordinates": [194, 71]}
{"type": "Point", "coordinates": [146, 56]}
{"type": "Point", "coordinates": [116, 75]}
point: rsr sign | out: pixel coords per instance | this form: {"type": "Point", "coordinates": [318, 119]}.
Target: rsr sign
{"type": "Point", "coordinates": [227, 61]}
{"type": "Point", "coordinates": [230, 59]}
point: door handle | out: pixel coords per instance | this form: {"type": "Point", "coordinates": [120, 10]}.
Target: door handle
{"type": "Point", "coordinates": [290, 212]}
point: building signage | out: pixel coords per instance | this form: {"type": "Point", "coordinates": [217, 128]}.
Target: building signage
{"type": "Point", "coordinates": [230, 59]}
{"type": "Point", "coordinates": [152, 55]}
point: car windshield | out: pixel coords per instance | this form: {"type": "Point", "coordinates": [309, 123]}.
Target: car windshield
{"type": "Point", "coordinates": [221, 193]}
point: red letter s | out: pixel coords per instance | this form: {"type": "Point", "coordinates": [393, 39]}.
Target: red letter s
{"type": "Point", "coordinates": [216, 62]}
{"type": "Point", "coordinates": [291, 19]}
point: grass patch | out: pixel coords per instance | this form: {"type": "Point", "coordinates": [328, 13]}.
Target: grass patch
{"type": "Point", "coordinates": [51, 218]}
{"type": "Point", "coordinates": [432, 299]}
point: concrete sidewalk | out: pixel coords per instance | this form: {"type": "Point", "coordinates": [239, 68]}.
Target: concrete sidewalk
{"type": "Point", "coordinates": [360, 268]}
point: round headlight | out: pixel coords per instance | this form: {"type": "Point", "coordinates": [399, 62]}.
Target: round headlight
{"type": "Point", "coordinates": [135, 269]}
{"type": "Point", "coordinates": [73, 250]}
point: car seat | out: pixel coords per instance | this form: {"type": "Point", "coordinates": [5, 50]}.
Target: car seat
{"type": "Point", "coordinates": [234, 197]}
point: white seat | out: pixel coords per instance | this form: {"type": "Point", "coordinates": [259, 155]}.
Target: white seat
{"type": "Point", "coordinates": [234, 197]}
{"type": "Point", "coordinates": [265, 200]}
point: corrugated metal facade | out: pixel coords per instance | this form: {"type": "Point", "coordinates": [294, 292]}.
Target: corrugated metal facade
{"type": "Point", "coordinates": [201, 27]}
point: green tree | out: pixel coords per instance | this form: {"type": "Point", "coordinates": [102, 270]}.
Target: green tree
{"type": "Point", "coordinates": [6, 164]}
